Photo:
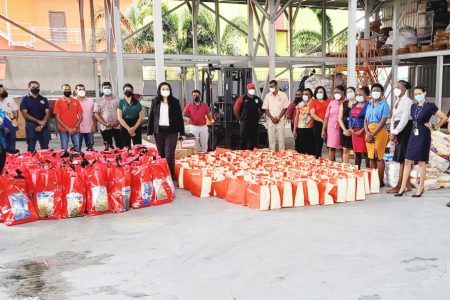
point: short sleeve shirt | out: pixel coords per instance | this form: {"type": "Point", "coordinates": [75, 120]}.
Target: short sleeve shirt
{"type": "Point", "coordinates": [88, 110]}
{"type": "Point", "coordinates": [276, 103]}
{"type": "Point", "coordinates": [304, 118]}
{"type": "Point", "coordinates": [35, 106]}
{"type": "Point", "coordinates": [107, 109]}
{"type": "Point", "coordinates": [320, 107]}
{"type": "Point", "coordinates": [375, 113]}
{"type": "Point", "coordinates": [197, 113]}
{"type": "Point", "coordinates": [68, 112]}
{"type": "Point", "coordinates": [130, 111]}
{"type": "Point", "coordinates": [8, 105]}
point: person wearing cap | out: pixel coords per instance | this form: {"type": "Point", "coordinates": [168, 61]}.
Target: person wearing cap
{"type": "Point", "coordinates": [197, 113]}
{"type": "Point", "coordinates": [275, 106]}
{"type": "Point", "coordinates": [248, 110]}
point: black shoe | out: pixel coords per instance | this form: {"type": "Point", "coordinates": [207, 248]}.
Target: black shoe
{"type": "Point", "coordinates": [400, 194]}
{"type": "Point", "coordinates": [418, 196]}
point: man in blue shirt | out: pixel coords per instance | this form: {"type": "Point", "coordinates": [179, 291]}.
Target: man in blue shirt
{"type": "Point", "coordinates": [36, 111]}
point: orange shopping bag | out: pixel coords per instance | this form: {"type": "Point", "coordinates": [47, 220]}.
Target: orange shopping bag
{"type": "Point", "coordinates": [236, 191]}
{"type": "Point", "coordinates": [325, 188]}
{"type": "Point", "coordinates": [257, 196]}
{"type": "Point", "coordinates": [200, 185]}
{"type": "Point", "coordinates": [219, 188]}
{"type": "Point", "coordinates": [286, 193]}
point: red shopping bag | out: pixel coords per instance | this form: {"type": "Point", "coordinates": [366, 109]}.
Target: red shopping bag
{"type": "Point", "coordinates": [15, 205]}
{"type": "Point", "coordinates": [119, 188]}
{"type": "Point", "coordinates": [257, 196]}
{"type": "Point", "coordinates": [236, 191]}
{"type": "Point", "coordinates": [74, 193]}
{"type": "Point", "coordinates": [142, 191]}
{"type": "Point", "coordinates": [219, 188]}
{"type": "Point", "coordinates": [162, 182]}
{"type": "Point", "coordinates": [96, 181]}
{"type": "Point", "coordinates": [47, 198]}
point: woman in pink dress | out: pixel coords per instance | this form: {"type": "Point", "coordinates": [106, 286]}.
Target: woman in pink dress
{"type": "Point", "coordinates": [331, 129]}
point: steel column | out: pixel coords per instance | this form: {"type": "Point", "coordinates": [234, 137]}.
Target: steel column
{"type": "Point", "coordinates": [351, 51]}
{"type": "Point", "coordinates": [108, 24]}
{"type": "Point", "coordinates": [290, 49]}
{"type": "Point", "coordinates": [219, 44]}
{"type": "Point", "coordinates": [272, 45]}
{"type": "Point", "coordinates": [158, 42]}
{"type": "Point", "coordinates": [395, 46]}
{"type": "Point", "coordinates": [195, 8]}
{"type": "Point", "coordinates": [324, 28]}
{"type": "Point", "coordinates": [82, 28]}
{"type": "Point", "coordinates": [119, 47]}
{"type": "Point", "coordinates": [439, 79]}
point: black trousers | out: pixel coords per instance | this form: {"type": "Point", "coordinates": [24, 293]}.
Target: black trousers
{"type": "Point", "coordinates": [305, 141]}
{"type": "Point", "coordinates": [108, 136]}
{"type": "Point", "coordinates": [166, 143]}
{"type": "Point", "coordinates": [2, 160]}
{"type": "Point", "coordinates": [248, 134]}
{"type": "Point", "coordinates": [317, 137]}
{"type": "Point", "coordinates": [127, 138]}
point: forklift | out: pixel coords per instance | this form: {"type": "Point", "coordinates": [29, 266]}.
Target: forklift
{"type": "Point", "coordinates": [224, 132]}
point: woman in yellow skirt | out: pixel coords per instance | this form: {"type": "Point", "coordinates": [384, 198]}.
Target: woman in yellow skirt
{"type": "Point", "coordinates": [375, 126]}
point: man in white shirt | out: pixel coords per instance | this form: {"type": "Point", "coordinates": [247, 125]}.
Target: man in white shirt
{"type": "Point", "coordinates": [11, 109]}
{"type": "Point", "coordinates": [275, 106]}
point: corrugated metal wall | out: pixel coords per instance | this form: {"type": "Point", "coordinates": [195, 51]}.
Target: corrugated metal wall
{"type": "Point", "coordinates": [426, 76]}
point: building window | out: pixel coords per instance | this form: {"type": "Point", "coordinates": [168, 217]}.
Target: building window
{"type": "Point", "coordinates": [58, 30]}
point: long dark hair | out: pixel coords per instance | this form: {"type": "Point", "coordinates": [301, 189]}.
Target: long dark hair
{"type": "Point", "coordinates": [159, 97]}
{"type": "Point", "coordinates": [325, 96]}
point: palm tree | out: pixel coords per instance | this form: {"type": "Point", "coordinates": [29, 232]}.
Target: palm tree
{"type": "Point", "coordinates": [232, 38]}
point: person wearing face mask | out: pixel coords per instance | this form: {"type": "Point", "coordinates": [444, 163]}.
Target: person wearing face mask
{"type": "Point", "coordinates": [130, 116]}
{"type": "Point", "coordinates": [88, 125]}
{"type": "Point", "coordinates": [36, 111]}
{"type": "Point", "coordinates": [248, 110]}
{"type": "Point", "coordinates": [105, 109]}
{"type": "Point", "coordinates": [165, 122]}
{"type": "Point", "coordinates": [69, 114]}
{"type": "Point", "coordinates": [419, 143]}
{"type": "Point", "coordinates": [197, 113]}
{"type": "Point", "coordinates": [290, 113]}
{"type": "Point", "coordinates": [9, 106]}
{"type": "Point", "coordinates": [303, 132]}
{"type": "Point", "coordinates": [3, 145]}
{"type": "Point", "coordinates": [318, 107]}
{"type": "Point", "coordinates": [275, 106]}
{"type": "Point", "coordinates": [356, 125]}
{"type": "Point", "coordinates": [330, 131]}
{"type": "Point", "coordinates": [401, 126]}
{"type": "Point", "coordinates": [346, 131]}
{"type": "Point", "coordinates": [377, 136]}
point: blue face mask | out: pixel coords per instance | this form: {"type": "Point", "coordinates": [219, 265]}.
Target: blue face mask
{"type": "Point", "coordinates": [419, 97]}
{"type": "Point", "coordinates": [107, 92]}
{"type": "Point", "coordinates": [360, 98]}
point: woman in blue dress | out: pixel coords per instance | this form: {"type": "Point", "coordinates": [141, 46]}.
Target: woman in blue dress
{"type": "Point", "coordinates": [419, 143]}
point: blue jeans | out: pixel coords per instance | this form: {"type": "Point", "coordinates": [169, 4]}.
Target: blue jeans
{"type": "Point", "coordinates": [33, 136]}
{"type": "Point", "coordinates": [76, 140]}
{"type": "Point", "coordinates": [88, 140]}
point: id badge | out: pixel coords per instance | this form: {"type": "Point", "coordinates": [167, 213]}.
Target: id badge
{"type": "Point", "coordinates": [416, 131]}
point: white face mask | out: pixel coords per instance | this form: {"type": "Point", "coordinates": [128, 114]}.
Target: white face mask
{"type": "Point", "coordinates": [81, 93]}
{"type": "Point", "coordinates": [305, 98]}
{"type": "Point", "coordinates": [272, 90]}
{"type": "Point", "coordinates": [319, 96]}
{"type": "Point", "coordinates": [397, 92]}
{"type": "Point", "coordinates": [360, 98]}
{"type": "Point", "coordinates": [251, 92]}
{"type": "Point", "coordinates": [350, 96]}
{"type": "Point", "coordinates": [107, 92]}
{"type": "Point", "coordinates": [337, 96]}
{"type": "Point", "coordinates": [376, 95]}
{"type": "Point", "coordinates": [165, 93]}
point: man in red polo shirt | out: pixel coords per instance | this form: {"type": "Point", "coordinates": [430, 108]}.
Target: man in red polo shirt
{"type": "Point", "coordinates": [197, 113]}
{"type": "Point", "coordinates": [69, 115]}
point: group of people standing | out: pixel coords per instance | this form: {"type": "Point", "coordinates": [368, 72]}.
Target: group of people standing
{"type": "Point", "coordinates": [355, 119]}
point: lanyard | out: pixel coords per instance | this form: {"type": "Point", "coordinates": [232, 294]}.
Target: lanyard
{"type": "Point", "coordinates": [417, 114]}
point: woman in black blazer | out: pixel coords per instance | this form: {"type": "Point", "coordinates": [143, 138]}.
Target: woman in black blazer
{"type": "Point", "coordinates": [165, 122]}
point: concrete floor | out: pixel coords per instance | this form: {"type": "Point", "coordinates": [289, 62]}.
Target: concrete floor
{"type": "Point", "coordinates": [381, 248]}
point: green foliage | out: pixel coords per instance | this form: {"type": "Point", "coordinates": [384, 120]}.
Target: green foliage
{"type": "Point", "coordinates": [232, 38]}
{"type": "Point", "coordinates": [304, 40]}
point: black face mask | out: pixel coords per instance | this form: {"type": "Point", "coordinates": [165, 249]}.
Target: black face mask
{"type": "Point", "coordinates": [4, 95]}
{"type": "Point", "coordinates": [35, 91]}
{"type": "Point", "coordinates": [67, 93]}
{"type": "Point", "coordinates": [197, 99]}
{"type": "Point", "coordinates": [298, 99]}
{"type": "Point", "coordinates": [128, 93]}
